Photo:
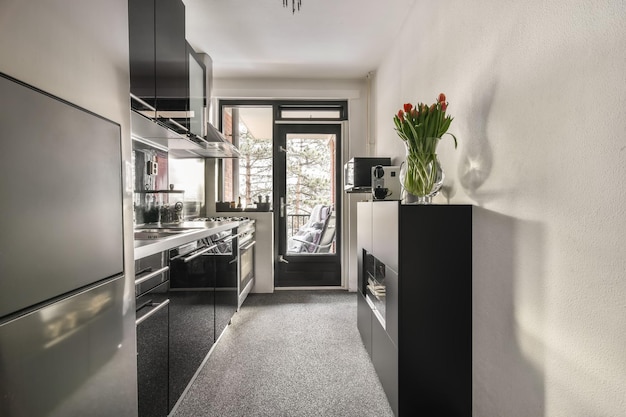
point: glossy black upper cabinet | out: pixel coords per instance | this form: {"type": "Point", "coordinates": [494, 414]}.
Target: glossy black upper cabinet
{"type": "Point", "coordinates": [141, 34]}
{"type": "Point", "coordinates": [158, 54]}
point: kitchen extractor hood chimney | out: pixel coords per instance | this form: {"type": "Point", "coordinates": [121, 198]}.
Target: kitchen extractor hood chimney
{"type": "Point", "coordinates": [157, 128]}
{"type": "Point", "coordinates": [212, 144]}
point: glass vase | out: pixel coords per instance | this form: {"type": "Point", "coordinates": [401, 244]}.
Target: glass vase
{"type": "Point", "coordinates": [422, 178]}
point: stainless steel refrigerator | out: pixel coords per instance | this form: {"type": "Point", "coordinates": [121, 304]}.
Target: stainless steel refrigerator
{"type": "Point", "coordinates": [66, 348]}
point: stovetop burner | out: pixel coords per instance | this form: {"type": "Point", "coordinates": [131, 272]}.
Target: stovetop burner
{"type": "Point", "coordinates": [222, 219]}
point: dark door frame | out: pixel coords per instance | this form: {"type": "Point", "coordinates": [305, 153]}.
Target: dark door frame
{"type": "Point", "coordinates": [319, 270]}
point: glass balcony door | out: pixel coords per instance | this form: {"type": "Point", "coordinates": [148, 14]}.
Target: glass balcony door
{"type": "Point", "coordinates": [307, 202]}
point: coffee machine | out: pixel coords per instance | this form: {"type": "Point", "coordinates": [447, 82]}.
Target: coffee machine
{"type": "Point", "coordinates": [386, 183]}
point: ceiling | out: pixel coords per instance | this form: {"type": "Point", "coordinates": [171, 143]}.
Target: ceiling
{"type": "Point", "coordinates": [325, 39]}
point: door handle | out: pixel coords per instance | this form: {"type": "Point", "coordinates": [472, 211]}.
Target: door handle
{"type": "Point", "coordinates": [282, 207]}
{"type": "Point", "coordinates": [282, 259]}
{"type": "Point", "coordinates": [280, 148]}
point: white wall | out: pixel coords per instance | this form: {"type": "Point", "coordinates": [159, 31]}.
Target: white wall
{"type": "Point", "coordinates": [355, 91]}
{"type": "Point", "coordinates": [537, 89]}
{"type": "Point", "coordinates": [79, 52]}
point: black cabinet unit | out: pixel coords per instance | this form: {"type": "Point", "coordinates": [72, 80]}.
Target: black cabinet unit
{"type": "Point", "coordinates": [141, 32]}
{"type": "Point", "coordinates": [192, 314]}
{"type": "Point", "coordinates": [203, 299]}
{"type": "Point", "coordinates": [415, 303]}
{"type": "Point", "coordinates": [226, 296]}
{"type": "Point", "coordinates": [152, 303]}
{"type": "Point", "coordinates": [152, 356]}
{"type": "Point", "coordinates": [158, 54]}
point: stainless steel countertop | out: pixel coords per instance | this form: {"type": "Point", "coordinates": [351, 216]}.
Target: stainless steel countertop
{"type": "Point", "coordinates": [197, 230]}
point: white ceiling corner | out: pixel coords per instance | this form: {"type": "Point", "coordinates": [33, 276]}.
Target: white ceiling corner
{"type": "Point", "coordinates": [326, 39]}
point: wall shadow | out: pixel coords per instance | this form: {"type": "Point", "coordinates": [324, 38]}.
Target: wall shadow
{"type": "Point", "coordinates": [476, 161]}
{"type": "Point", "coordinates": [508, 316]}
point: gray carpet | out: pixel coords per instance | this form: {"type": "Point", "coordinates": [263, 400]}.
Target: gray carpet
{"type": "Point", "coordinates": [291, 354]}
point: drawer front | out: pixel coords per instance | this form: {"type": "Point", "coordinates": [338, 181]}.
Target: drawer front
{"type": "Point", "coordinates": [364, 322]}
{"type": "Point", "coordinates": [150, 272]}
{"type": "Point", "coordinates": [385, 360]}
{"type": "Point", "coordinates": [153, 262]}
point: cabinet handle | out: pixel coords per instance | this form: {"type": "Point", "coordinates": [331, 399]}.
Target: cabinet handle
{"type": "Point", "coordinates": [195, 255]}
{"type": "Point", "coordinates": [157, 307]}
{"type": "Point", "coordinates": [151, 275]}
{"type": "Point", "coordinates": [248, 246]}
{"type": "Point", "coordinates": [143, 103]}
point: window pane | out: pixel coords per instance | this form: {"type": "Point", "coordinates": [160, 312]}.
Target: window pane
{"type": "Point", "coordinates": [310, 114]}
{"type": "Point", "coordinates": [251, 174]}
{"type": "Point", "coordinates": [188, 175]}
{"type": "Point", "coordinates": [310, 193]}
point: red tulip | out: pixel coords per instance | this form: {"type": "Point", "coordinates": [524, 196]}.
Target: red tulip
{"type": "Point", "coordinates": [414, 113]}
{"type": "Point", "coordinates": [408, 107]}
{"type": "Point", "coordinates": [442, 98]}
{"type": "Point", "coordinates": [432, 108]}
{"type": "Point", "coordinates": [444, 105]}
{"type": "Point", "coordinates": [401, 115]}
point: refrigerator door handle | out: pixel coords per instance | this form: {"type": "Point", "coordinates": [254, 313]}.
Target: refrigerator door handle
{"type": "Point", "coordinates": [157, 307]}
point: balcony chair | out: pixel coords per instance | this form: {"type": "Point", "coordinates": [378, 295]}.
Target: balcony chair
{"type": "Point", "coordinates": [317, 234]}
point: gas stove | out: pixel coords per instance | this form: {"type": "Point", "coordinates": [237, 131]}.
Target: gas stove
{"type": "Point", "coordinates": [222, 219]}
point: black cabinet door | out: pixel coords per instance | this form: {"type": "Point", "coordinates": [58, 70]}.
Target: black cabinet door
{"type": "Point", "coordinates": [152, 362]}
{"type": "Point", "coordinates": [172, 79]}
{"type": "Point", "coordinates": [226, 297]}
{"type": "Point", "coordinates": [158, 53]}
{"type": "Point", "coordinates": [192, 319]}
{"type": "Point", "coordinates": [141, 31]}
{"type": "Point", "coordinates": [364, 322]}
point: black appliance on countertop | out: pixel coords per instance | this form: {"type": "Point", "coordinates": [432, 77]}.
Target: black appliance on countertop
{"type": "Point", "coordinates": [357, 173]}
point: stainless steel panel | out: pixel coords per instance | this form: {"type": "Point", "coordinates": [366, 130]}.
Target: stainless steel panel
{"type": "Point", "coordinates": [74, 358]}
{"type": "Point", "coordinates": [61, 182]}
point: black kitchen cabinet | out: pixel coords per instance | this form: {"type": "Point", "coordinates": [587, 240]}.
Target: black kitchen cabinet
{"type": "Point", "coordinates": [226, 296]}
{"type": "Point", "coordinates": [415, 303]}
{"type": "Point", "coordinates": [152, 362]}
{"type": "Point", "coordinates": [158, 54]}
{"type": "Point", "coordinates": [152, 312]}
{"type": "Point", "coordinates": [141, 36]}
{"type": "Point", "coordinates": [192, 319]}
{"type": "Point", "coordinates": [172, 78]}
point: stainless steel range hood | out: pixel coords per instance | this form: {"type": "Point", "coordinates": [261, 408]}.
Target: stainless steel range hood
{"type": "Point", "coordinates": [152, 132]}
{"type": "Point", "coordinates": [158, 128]}
{"type": "Point", "coordinates": [213, 145]}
